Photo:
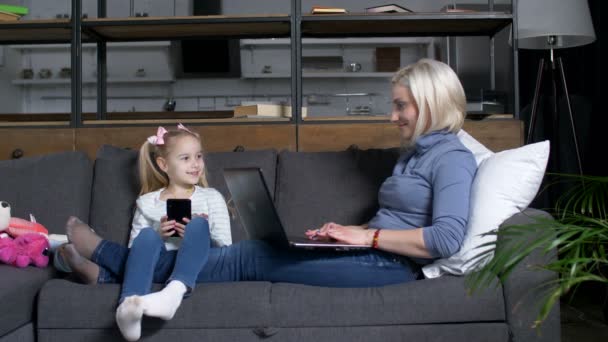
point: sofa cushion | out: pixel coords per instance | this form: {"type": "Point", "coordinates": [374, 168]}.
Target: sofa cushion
{"type": "Point", "coordinates": [18, 290]}
{"type": "Point", "coordinates": [420, 302]}
{"type": "Point", "coordinates": [67, 305]}
{"type": "Point", "coordinates": [318, 187]}
{"type": "Point", "coordinates": [115, 189]}
{"type": "Point", "coordinates": [51, 187]}
{"type": "Point", "coordinates": [116, 186]}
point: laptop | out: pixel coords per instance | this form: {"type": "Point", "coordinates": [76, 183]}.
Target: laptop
{"type": "Point", "coordinates": [259, 217]}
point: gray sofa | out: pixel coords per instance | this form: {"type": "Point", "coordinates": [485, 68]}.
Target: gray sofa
{"type": "Point", "coordinates": [309, 189]}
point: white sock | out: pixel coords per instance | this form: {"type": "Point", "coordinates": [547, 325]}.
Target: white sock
{"type": "Point", "coordinates": [164, 303]}
{"type": "Point", "coordinates": [128, 318]}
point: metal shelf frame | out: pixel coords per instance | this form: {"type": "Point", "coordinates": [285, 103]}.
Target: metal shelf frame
{"type": "Point", "coordinates": [295, 26]}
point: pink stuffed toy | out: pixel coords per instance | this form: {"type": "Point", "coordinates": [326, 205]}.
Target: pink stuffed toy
{"type": "Point", "coordinates": [27, 248]}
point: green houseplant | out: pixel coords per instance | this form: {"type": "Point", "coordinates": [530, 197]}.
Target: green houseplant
{"type": "Point", "coordinates": [579, 234]}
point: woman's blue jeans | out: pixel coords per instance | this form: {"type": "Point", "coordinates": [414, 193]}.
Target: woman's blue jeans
{"type": "Point", "coordinates": [149, 262]}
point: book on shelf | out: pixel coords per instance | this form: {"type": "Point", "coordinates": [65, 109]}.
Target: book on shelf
{"type": "Point", "coordinates": [19, 10]}
{"type": "Point", "coordinates": [265, 110]}
{"type": "Point", "coordinates": [388, 8]}
{"type": "Point", "coordinates": [6, 16]}
{"type": "Point", "coordinates": [327, 10]}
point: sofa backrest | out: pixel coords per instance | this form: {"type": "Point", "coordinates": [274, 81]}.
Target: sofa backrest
{"type": "Point", "coordinates": [51, 187]}
{"type": "Point", "coordinates": [342, 187]}
{"type": "Point", "coordinates": [116, 186]}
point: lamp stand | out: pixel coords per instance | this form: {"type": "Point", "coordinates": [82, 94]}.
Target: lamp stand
{"type": "Point", "coordinates": [533, 116]}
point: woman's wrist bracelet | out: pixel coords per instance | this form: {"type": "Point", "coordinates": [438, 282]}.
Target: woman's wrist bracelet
{"type": "Point", "coordinates": [375, 239]}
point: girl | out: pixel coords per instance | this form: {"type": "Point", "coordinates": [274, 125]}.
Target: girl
{"type": "Point", "coordinates": [170, 166]}
{"type": "Point", "coordinates": [407, 231]}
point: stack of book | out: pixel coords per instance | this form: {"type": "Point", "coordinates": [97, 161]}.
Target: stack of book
{"type": "Point", "coordinates": [327, 10]}
{"type": "Point", "coordinates": [265, 111]}
{"type": "Point", "coordinates": [11, 12]}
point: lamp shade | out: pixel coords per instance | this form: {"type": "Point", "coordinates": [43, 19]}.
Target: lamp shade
{"type": "Point", "coordinates": [569, 21]}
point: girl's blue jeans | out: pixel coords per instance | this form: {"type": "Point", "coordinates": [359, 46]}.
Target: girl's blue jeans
{"type": "Point", "coordinates": [196, 261]}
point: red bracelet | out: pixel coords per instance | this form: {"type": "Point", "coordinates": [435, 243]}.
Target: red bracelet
{"type": "Point", "coordinates": [375, 239]}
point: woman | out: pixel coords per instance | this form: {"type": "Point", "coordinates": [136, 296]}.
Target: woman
{"type": "Point", "coordinates": [407, 231]}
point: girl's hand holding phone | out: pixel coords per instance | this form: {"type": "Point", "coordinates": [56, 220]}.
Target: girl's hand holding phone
{"type": "Point", "coordinates": [166, 227]}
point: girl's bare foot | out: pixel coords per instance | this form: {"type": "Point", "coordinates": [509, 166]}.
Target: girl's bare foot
{"type": "Point", "coordinates": [82, 237]}
{"type": "Point", "coordinates": [84, 269]}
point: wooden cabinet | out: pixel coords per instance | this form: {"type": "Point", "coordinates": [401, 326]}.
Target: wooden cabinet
{"type": "Point", "coordinates": [30, 142]}
{"type": "Point", "coordinates": [497, 135]}
{"type": "Point", "coordinates": [222, 138]}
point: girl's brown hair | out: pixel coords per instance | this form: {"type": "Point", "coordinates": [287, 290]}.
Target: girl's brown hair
{"type": "Point", "coordinates": [151, 176]}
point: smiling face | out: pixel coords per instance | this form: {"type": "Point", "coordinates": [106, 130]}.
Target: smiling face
{"type": "Point", "coordinates": [183, 163]}
{"type": "Point", "coordinates": [404, 112]}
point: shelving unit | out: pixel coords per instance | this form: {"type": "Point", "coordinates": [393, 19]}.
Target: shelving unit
{"type": "Point", "coordinates": [36, 32]}
{"type": "Point", "coordinates": [298, 27]}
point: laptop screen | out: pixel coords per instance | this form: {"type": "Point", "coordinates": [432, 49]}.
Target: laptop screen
{"type": "Point", "coordinates": [254, 205]}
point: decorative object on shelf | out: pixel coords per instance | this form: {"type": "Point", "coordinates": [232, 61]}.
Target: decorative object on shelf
{"type": "Point", "coordinates": [316, 99]}
{"type": "Point", "coordinates": [541, 26]}
{"type": "Point", "coordinates": [27, 74]}
{"type": "Point", "coordinates": [360, 110]}
{"type": "Point", "coordinates": [141, 72]}
{"type": "Point", "coordinates": [45, 73]}
{"type": "Point", "coordinates": [388, 8]}
{"type": "Point", "coordinates": [388, 59]}
{"type": "Point", "coordinates": [170, 104]}
{"type": "Point", "coordinates": [327, 10]}
{"type": "Point", "coordinates": [7, 16]}
{"type": "Point", "coordinates": [353, 67]}
{"type": "Point", "coordinates": [65, 72]}
{"type": "Point", "coordinates": [455, 8]}
{"type": "Point", "coordinates": [12, 13]}
{"type": "Point", "coordinates": [267, 69]}
{"type": "Point", "coordinates": [322, 63]}
{"type": "Point", "coordinates": [265, 110]}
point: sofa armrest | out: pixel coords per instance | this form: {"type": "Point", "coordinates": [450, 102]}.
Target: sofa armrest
{"type": "Point", "coordinates": [523, 298]}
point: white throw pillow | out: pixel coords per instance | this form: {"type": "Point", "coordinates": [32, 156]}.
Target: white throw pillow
{"type": "Point", "coordinates": [505, 184]}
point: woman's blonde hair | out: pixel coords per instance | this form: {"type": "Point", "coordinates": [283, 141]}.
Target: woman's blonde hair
{"type": "Point", "coordinates": [151, 176]}
{"type": "Point", "coordinates": [438, 94]}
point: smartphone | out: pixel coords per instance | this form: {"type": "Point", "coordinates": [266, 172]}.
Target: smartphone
{"type": "Point", "coordinates": [177, 209]}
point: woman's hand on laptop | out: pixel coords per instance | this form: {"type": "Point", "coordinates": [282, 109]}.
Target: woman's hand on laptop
{"type": "Point", "coordinates": [353, 235]}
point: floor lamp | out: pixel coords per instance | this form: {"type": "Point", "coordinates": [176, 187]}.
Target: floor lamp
{"type": "Point", "coordinates": [549, 25]}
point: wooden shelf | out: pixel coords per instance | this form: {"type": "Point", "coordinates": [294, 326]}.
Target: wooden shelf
{"type": "Point", "coordinates": [92, 46]}
{"type": "Point", "coordinates": [35, 31]}
{"type": "Point", "coordinates": [68, 81]}
{"type": "Point", "coordinates": [26, 118]}
{"type": "Point", "coordinates": [371, 118]}
{"type": "Point", "coordinates": [183, 121]}
{"type": "Point", "coordinates": [340, 41]}
{"type": "Point", "coordinates": [359, 74]}
{"type": "Point", "coordinates": [404, 24]}
{"type": "Point", "coordinates": [175, 28]}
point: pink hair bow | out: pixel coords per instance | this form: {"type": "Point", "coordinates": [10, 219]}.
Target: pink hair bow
{"type": "Point", "coordinates": [183, 128]}
{"type": "Point", "coordinates": [158, 138]}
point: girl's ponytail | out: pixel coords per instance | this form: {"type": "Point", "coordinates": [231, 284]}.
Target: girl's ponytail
{"type": "Point", "coordinates": [150, 176]}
